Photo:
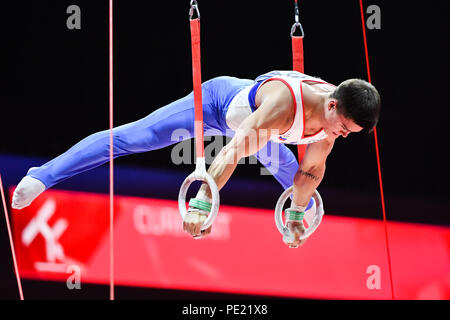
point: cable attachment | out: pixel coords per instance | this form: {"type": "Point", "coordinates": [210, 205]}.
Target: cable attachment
{"type": "Point", "coordinates": [297, 14]}
{"type": "Point", "coordinates": [297, 23]}
{"type": "Point", "coordinates": [194, 7]}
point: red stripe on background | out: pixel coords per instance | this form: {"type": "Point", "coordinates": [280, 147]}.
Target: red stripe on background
{"type": "Point", "coordinates": [369, 78]}
{"type": "Point", "coordinates": [163, 255]}
{"type": "Point", "coordinates": [111, 153]}
{"type": "Point", "coordinates": [16, 268]}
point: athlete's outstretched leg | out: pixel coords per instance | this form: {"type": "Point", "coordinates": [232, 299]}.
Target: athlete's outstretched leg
{"type": "Point", "coordinates": [150, 133]}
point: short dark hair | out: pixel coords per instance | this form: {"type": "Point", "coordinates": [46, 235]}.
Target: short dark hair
{"type": "Point", "coordinates": [358, 100]}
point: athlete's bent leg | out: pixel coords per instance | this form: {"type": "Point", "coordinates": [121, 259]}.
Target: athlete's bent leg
{"type": "Point", "coordinates": [280, 161]}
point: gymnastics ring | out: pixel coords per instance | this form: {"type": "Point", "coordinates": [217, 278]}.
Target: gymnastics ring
{"type": "Point", "coordinates": [288, 237]}
{"type": "Point", "coordinates": [200, 174]}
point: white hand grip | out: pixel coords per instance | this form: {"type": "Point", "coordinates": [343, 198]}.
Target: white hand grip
{"type": "Point", "coordinates": [203, 176]}
{"type": "Point", "coordinates": [287, 235]}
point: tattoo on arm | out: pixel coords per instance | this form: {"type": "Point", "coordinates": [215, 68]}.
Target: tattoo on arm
{"type": "Point", "coordinates": [309, 175]}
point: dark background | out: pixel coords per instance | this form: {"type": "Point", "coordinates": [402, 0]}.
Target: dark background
{"type": "Point", "coordinates": [54, 91]}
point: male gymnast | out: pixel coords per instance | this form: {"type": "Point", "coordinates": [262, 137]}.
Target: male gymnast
{"type": "Point", "coordinates": [279, 107]}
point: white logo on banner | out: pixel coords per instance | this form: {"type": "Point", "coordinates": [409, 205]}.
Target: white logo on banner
{"type": "Point", "coordinates": [167, 221]}
{"type": "Point", "coordinates": [53, 249]}
{"type": "Point", "coordinates": [39, 225]}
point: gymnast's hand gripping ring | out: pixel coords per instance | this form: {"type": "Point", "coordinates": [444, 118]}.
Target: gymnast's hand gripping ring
{"type": "Point", "coordinates": [200, 167]}
{"type": "Point", "coordinates": [200, 174]}
{"type": "Point", "coordinates": [314, 217]}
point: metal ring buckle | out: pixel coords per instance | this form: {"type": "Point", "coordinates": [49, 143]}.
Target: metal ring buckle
{"type": "Point", "coordinates": [194, 6]}
{"type": "Point", "coordinates": [294, 27]}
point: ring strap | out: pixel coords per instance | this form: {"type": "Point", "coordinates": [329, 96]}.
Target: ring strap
{"type": "Point", "coordinates": [298, 65]}
{"type": "Point", "coordinates": [197, 82]}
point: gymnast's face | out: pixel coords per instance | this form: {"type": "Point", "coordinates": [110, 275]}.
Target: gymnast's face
{"type": "Point", "coordinates": [335, 124]}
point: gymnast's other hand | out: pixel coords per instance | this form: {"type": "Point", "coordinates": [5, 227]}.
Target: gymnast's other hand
{"type": "Point", "coordinates": [297, 229]}
{"type": "Point", "coordinates": [193, 222]}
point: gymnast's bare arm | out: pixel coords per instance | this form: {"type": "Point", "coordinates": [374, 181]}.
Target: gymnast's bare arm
{"type": "Point", "coordinates": [311, 170]}
{"type": "Point", "coordinates": [273, 116]}
{"type": "Point", "coordinates": [307, 179]}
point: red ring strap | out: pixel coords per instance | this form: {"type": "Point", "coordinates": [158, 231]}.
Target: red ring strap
{"type": "Point", "coordinates": [298, 65]}
{"type": "Point", "coordinates": [197, 81]}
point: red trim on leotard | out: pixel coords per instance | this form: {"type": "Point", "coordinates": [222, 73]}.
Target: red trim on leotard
{"type": "Point", "coordinates": [303, 106]}
{"type": "Point", "coordinates": [292, 94]}
{"type": "Point", "coordinates": [295, 102]}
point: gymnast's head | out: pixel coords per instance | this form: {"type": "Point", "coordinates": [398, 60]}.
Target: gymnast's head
{"type": "Point", "coordinates": [353, 106]}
